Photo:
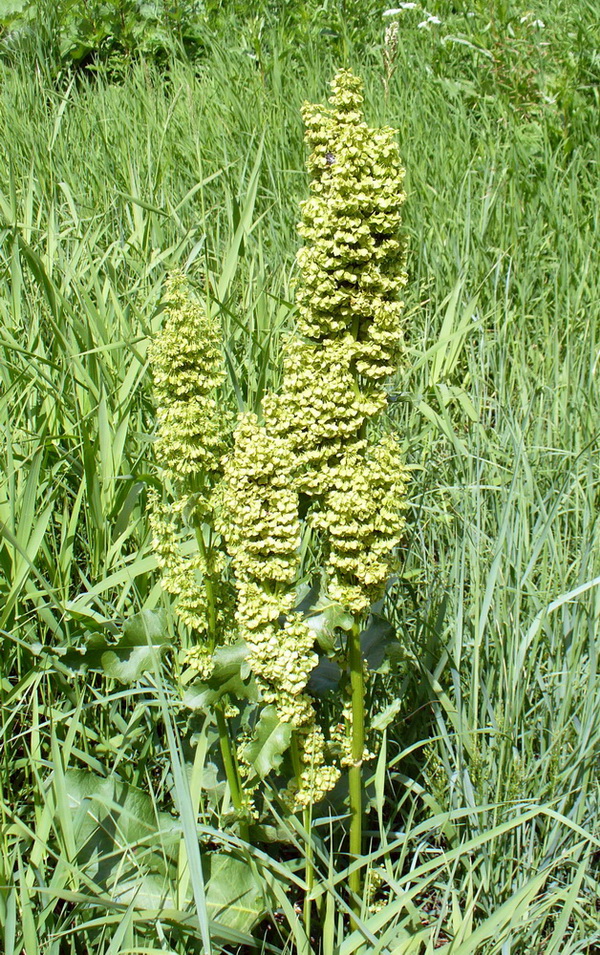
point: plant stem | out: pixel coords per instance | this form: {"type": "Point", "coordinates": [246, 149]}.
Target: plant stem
{"type": "Point", "coordinates": [231, 770]}
{"type": "Point", "coordinates": [209, 590]}
{"type": "Point", "coordinates": [357, 686]}
{"type": "Point", "coordinates": [227, 751]}
{"type": "Point", "coordinates": [309, 872]}
{"type": "Point", "coordinates": [308, 856]}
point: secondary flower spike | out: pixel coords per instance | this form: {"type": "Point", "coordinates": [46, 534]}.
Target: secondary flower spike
{"type": "Point", "coordinates": [194, 431]}
{"type": "Point", "coordinates": [259, 520]}
{"type": "Point", "coordinates": [187, 365]}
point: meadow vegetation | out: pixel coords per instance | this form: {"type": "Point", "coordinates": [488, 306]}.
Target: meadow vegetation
{"type": "Point", "coordinates": [176, 145]}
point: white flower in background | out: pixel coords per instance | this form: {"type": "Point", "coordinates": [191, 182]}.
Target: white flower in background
{"type": "Point", "coordinates": [396, 10]}
{"type": "Point", "coordinates": [430, 21]}
{"type": "Point", "coordinates": [534, 23]}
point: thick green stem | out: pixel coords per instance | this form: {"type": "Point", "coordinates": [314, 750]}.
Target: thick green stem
{"type": "Point", "coordinates": [231, 771]}
{"type": "Point", "coordinates": [357, 685]}
{"type": "Point", "coordinates": [296, 763]}
{"type": "Point", "coordinates": [209, 590]}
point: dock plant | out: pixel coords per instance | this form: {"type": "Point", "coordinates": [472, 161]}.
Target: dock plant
{"type": "Point", "coordinates": [312, 472]}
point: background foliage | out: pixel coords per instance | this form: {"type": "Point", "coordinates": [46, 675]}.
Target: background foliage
{"type": "Point", "coordinates": [137, 137]}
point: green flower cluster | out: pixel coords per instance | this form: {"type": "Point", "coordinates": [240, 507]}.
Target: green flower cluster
{"type": "Point", "coordinates": [193, 434]}
{"type": "Point", "coordinates": [187, 365]}
{"type": "Point", "coordinates": [361, 520]}
{"type": "Point", "coordinates": [259, 510]}
{"type": "Point", "coordinates": [258, 517]}
{"type": "Point", "coordinates": [185, 573]}
{"type": "Point", "coordinates": [353, 263]}
{"type": "Point", "coordinates": [348, 338]}
{"type": "Point", "coordinates": [317, 775]}
{"type": "Point", "coordinates": [320, 409]}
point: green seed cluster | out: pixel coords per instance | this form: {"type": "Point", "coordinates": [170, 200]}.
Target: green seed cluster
{"type": "Point", "coordinates": [353, 263]}
{"type": "Point", "coordinates": [184, 576]}
{"type": "Point", "coordinates": [320, 409]}
{"type": "Point", "coordinates": [348, 338]}
{"type": "Point", "coordinates": [187, 365]}
{"type": "Point", "coordinates": [193, 434]}
{"type": "Point", "coordinates": [259, 510]}
{"type": "Point", "coordinates": [317, 774]}
{"type": "Point", "coordinates": [361, 519]}
{"type": "Point", "coordinates": [259, 520]}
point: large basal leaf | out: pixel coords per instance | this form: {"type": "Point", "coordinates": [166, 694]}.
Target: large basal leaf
{"type": "Point", "coordinates": [9, 8]}
{"type": "Point", "coordinates": [150, 892]}
{"type": "Point", "coordinates": [270, 740]}
{"type": "Point", "coordinates": [143, 639]}
{"type": "Point", "coordinates": [228, 676]}
{"type": "Point", "coordinates": [130, 850]}
{"type": "Point", "coordinates": [234, 895]}
{"type": "Point", "coordinates": [123, 843]}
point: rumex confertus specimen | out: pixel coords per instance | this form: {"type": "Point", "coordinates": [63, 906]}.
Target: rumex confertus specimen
{"type": "Point", "coordinates": [314, 440]}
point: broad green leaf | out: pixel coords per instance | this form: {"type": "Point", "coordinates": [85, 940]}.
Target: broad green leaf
{"type": "Point", "coordinates": [233, 893]}
{"type": "Point", "coordinates": [124, 844]}
{"type": "Point", "coordinates": [270, 740]}
{"type": "Point", "coordinates": [127, 847]}
{"type": "Point", "coordinates": [325, 677]}
{"type": "Point", "coordinates": [130, 808]}
{"type": "Point", "coordinates": [227, 677]}
{"type": "Point", "coordinates": [8, 8]}
{"type": "Point", "coordinates": [145, 891]}
{"type": "Point", "coordinates": [322, 615]}
{"type": "Point", "coordinates": [144, 638]}
{"type": "Point", "coordinates": [386, 716]}
{"type": "Point", "coordinates": [375, 640]}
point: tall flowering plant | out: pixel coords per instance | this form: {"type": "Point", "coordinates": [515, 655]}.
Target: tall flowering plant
{"type": "Point", "coordinates": [312, 464]}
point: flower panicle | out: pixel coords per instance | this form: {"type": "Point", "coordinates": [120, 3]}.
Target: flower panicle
{"type": "Point", "coordinates": [187, 365]}
{"type": "Point", "coordinates": [314, 439]}
{"type": "Point", "coordinates": [349, 335]}
{"type": "Point", "coordinates": [192, 436]}
{"type": "Point", "coordinates": [260, 522]}
{"type": "Point", "coordinates": [352, 267]}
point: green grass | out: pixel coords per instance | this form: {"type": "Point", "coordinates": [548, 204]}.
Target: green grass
{"type": "Point", "coordinates": [483, 832]}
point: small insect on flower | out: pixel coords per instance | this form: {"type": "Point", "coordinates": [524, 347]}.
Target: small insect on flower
{"type": "Point", "coordinates": [329, 159]}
